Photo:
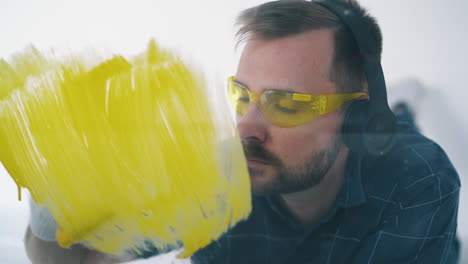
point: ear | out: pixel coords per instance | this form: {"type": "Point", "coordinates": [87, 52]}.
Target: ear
{"type": "Point", "coordinates": [354, 122]}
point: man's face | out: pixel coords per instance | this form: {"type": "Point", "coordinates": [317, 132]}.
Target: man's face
{"type": "Point", "coordinates": [284, 160]}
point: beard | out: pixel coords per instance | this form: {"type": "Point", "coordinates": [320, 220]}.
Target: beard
{"type": "Point", "coordinates": [289, 179]}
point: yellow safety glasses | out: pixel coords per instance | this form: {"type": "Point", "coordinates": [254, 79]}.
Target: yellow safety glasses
{"type": "Point", "coordinates": [286, 109]}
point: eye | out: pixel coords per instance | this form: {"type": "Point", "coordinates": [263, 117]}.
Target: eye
{"type": "Point", "coordinates": [243, 99]}
{"type": "Point", "coordinates": [242, 95]}
{"type": "Point", "coordinates": [285, 105]}
{"type": "Point", "coordinates": [285, 110]}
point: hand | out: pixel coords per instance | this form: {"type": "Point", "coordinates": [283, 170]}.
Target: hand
{"type": "Point", "coordinates": [97, 257]}
{"type": "Point", "coordinates": [49, 252]}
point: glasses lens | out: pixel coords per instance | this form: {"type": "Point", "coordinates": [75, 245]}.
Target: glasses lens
{"type": "Point", "coordinates": [239, 96]}
{"type": "Point", "coordinates": [280, 109]}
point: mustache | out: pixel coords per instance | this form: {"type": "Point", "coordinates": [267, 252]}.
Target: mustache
{"type": "Point", "coordinates": [254, 150]}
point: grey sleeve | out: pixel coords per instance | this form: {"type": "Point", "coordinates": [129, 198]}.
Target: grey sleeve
{"type": "Point", "coordinates": [42, 222]}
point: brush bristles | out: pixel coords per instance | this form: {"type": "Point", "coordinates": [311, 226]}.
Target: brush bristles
{"type": "Point", "coordinates": [125, 153]}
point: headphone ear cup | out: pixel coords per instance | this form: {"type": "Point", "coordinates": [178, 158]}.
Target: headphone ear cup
{"type": "Point", "coordinates": [381, 131]}
{"type": "Point", "coordinates": [354, 125]}
{"type": "Point", "coordinates": [373, 135]}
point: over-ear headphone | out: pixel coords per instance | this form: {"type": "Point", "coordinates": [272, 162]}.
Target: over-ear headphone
{"type": "Point", "coordinates": [369, 126]}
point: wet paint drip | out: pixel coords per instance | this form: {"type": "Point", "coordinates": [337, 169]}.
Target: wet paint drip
{"type": "Point", "coordinates": [123, 153]}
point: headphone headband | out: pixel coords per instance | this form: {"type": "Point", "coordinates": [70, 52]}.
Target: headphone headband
{"type": "Point", "coordinates": [375, 132]}
{"type": "Point", "coordinates": [368, 49]}
{"type": "Point", "coordinates": [354, 23]}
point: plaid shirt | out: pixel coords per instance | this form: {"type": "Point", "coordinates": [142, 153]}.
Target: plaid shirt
{"type": "Point", "coordinates": [400, 208]}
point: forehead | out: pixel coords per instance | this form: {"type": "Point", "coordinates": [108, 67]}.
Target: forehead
{"type": "Point", "coordinates": [298, 63]}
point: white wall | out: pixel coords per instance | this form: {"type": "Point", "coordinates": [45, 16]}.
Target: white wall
{"type": "Point", "coordinates": [423, 39]}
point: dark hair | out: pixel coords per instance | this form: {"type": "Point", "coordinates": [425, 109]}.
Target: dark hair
{"type": "Point", "coordinates": [288, 17]}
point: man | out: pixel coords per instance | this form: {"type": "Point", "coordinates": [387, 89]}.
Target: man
{"type": "Point", "coordinates": [315, 200]}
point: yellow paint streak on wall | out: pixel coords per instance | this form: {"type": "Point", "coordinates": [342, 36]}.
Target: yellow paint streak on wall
{"type": "Point", "coordinates": [125, 152]}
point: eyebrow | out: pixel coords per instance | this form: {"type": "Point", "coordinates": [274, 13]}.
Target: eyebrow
{"type": "Point", "coordinates": [273, 89]}
{"type": "Point", "coordinates": [238, 82]}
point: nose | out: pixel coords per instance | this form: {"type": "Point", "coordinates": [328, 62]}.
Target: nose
{"type": "Point", "coordinates": [253, 124]}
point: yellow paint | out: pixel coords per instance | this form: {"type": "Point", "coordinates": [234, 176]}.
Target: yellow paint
{"type": "Point", "coordinates": [122, 152]}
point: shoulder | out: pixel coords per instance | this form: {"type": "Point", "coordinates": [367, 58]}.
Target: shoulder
{"type": "Point", "coordinates": [418, 169]}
